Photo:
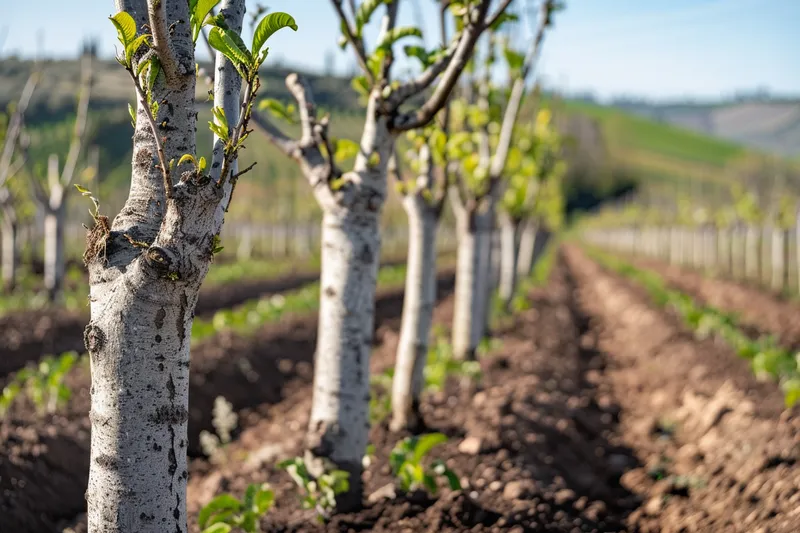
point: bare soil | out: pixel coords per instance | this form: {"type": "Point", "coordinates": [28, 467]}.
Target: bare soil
{"type": "Point", "coordinates": [597, 412]}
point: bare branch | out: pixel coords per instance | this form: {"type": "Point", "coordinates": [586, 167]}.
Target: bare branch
{"type": "Point", "coordinates": [283, 142]}
{"type": "Point", "coordinates": [79, 133]}
{"type": "Point", "coordinates": [499, 13]}
{"type": "Point", "coordinates": [517, 94]}
{"type": "Point", "coordinates": [14, 128]}
{"type": "Point", "coordinates": [356, 42]}
{"type": "Point", "coordinates": [450, 77]}
{"type": "Point", "coordinates": [161, 40]}
{"type": "Point", "coordinates": [424, 80]}
{"type": "Point", "coordinates": [387, 25]}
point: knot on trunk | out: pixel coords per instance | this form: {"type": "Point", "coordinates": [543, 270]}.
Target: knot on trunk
{"type": "Point", "coordinates": [93, 339]}
{"type": "Point", "coordinates": [164, 262]}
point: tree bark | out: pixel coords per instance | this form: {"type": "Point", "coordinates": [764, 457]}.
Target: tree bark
{"type": "Point", "coordinates": [778, 255]}
{"type": "Point", "coordinates": [472, 281]}
{"type": "Point", "coordinates": [508, 259]}
{"type": "Point", "coordinates": [751, 253]}
{"type": "Point", "coordinates": [143, 296]}
{"type": "Point", "coordinates": [54, 252]}
{"type": "Point", "coordinates": [418, 304]}
{"type": "Point", "coordinates": [10, 247]}
{"type": "Point", "coordinates": [527, 244]}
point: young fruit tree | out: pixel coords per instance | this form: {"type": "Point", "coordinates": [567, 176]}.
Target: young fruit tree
{"type": "Point", "coordinates": [352, 201]}
{"type": "Point", "coordinates": [12, 160]}
{"type": "Point", "coordinates": [534, 173]}
{"type": "Point", "coordinates": [479, 181]}
{"type": "Point", "coordinates": [423, 195]}
{"type": "Point", "coordinates": [146, 267]}
{"type": "Point", "coordinates": [53, 200]}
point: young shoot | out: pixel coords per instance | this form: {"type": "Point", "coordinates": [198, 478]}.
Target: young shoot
{"type": "Point", "coordinates": [406, 462]}
{"type": "Point", "coordinates": [317, 493]}
{"type": "Point", "coordinates": [225, 513]}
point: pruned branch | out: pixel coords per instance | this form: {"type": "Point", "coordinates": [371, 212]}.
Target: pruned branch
{"type": "Point", "coordinates": [14, 128]}
{"type": "Point", "coordinates": [356, 42]}
{"type": "Point", "coordinates": [455, 67]}
{"type": "Point", "coordinates": [81, 120]}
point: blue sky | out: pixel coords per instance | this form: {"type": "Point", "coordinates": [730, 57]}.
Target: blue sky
{"type": "Point", "coordinates": [653, 48]}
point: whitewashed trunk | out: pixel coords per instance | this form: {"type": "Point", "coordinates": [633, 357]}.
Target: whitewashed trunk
{"type": "Point", "coordinates": [778, 262]}
{"type": "Point", "coordinates": [508, 259]}
{"type": "Point", "coordinates": [418, 303]}
{"type": "Point", "coordinates": [339, 426]}
{"type": "Point", "coordinates": [765, 274]}
{"type": "Point", "coordinates": [674, 245]}
{"type": "Point", "coordinates": [10, 249]}
{"type": "Point", "coordinates": [472, 282]}
{"type": "Point", "coordinates": [527, 245]}
{"type": "Point", "coordinates": [143, 300]}
{"type": "Point", "coordinates": [54, 251]}
{"type": "Point", "coordinates": [751, 253]}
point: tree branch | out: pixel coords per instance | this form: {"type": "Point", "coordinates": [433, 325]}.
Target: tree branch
{"type": "Point", "coordinates": [160, 30]}
{"type": "Point", "coordinates": [82, 118]}
{"type": "Point", "coordinates": [499, 13]}
{"type": "Point", "coordinates": [455, 67]}
{"type": "Point", "coordinates": [387, 25]}
{"type": "Point", "coordinates": [356, 42]}
{"type": "Point", "coordinates": [14, 128]}
{"type": "Point", "coordinates": [283, 142]}
{"type": "Point", "coordinates": [517, 93]}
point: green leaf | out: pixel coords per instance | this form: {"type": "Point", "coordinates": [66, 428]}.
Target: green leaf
{"type": "Point", "coordinates": [426, 443]}
{"type": "Point", "coordinates": [361, 85]}
{"type": "Point", "coordinates": [268, 26]}
{"type": "Point", "coordinates": [198, 15]}
{"type": "Point", "coordinates": [134, 45]}
{"type": "Point", "coordinates": [126, 27]}
{"type": "Point", "coordinates": [201, 164]}
{"type": "Point", "coordinates": [264, 500]}
{"type": "Point", "coordinates": [224, 42]}
{"type": "Point", "coordinates": [514, 59]}
{"type": "Point", "coordinates": [396, 34]}
{"type": "Point", "coordinates": [418, 52]}
{"type": "Point", "coordinates": [223, 502]}
{"type": "Point", "coordinates": [185, 158]}
{"type": "Point", "coordinates": [278, 109]}
{"type": "Point", "coordinates": [218, 528]}
{"type": "Point", "coordinates": [502, 19]}
{"type": "Point", "coordinates": [365, 12]}
{"type": "Point", "coordinates": [345, 149]}
{"type": "Point", "coordinates": [83, 190]}
{"type": "Point", "coordinates": [220, 126]}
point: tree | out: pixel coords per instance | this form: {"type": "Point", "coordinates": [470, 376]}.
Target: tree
{"type": "Point", "coordinates": [352, 202]}
{"type": "Point", "coordinates": [53, 200]}
{"type": "Point", "coordinates": [423, 194]}
{"type": "Point", "coordinates": [478, 186]}
{"type": "Point", "coordinates": [12, 160]}
{"type": "Point", "coordinates": [146, 267]}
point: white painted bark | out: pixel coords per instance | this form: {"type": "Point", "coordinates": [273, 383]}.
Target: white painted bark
{"type": "Point", "coordinates": [765, 274]}
{"type": "Point", "coordinates": [472, 277]}
{"type": "Point", "coordinates": [778, 262]}
{"type": "Point", "coordinates": [351, 242]}
{"type": "Point", "coordinates": [418, 303]}
{"type": "Point", "coordinates": [527, 245]}
{"type": "Point", "coordinates": [143, 300]}
{"type": "Point", "coordinates": [751, 253]}
{"type": "Point", "coordinates": [508, 258]}
{"type": "Point", "coordinates": [9, 228]}
{"type": "Point", "coordinates": [54, 211]}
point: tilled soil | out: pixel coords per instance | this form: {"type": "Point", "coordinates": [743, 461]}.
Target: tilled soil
{"type": "Point", "coordinates": [720, 450]}
{"type": "Point", "coordinates": [44, 463]}
{"type": "Point", "coordinates": [758, 309]}
{"type": "Point", "coordinates": [26, 336]}
{"type": "Point", "coordinates": [596, 413]}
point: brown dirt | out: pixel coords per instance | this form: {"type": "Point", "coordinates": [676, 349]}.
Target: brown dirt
{"type": "Point", "coordinates": [721, 451]}
{"type": "Point", "coordinates": [44, 463]}
{"type": "Point", "coordinates": [596, 413]}
{"type": "Point", "coordinates": [758, 309]}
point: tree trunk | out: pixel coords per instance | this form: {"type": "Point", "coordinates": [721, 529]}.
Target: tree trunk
{"type": "Point", "coordinates": [143, 299]}
{"type": "Point", "coordinates": [751, 253]}
{"type": "Point", "coordinates": [54, 251]}
{"type": "Point", "coordinates": [10, 247]}
{"type": "Point", "coordinates": [508, 259]}
{"type": "Point", "coordinates": [339, 426]}
{"type": "Point", "coordinates": [778, 256]}
{"type": "Point", "coordinates": [527, 244]}
{"type": "Point", "coordinates": [472, 281]}
{"type": "Point", "coordinates": [418, 304]}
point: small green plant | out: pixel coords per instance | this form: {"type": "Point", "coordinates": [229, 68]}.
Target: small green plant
{"type": "Point", "coordinates": [317, 493]}
{"type": "Point", "coordinates": [442, 363]}
{"type": "Point", "coordinates": [43, 384]}
{"type": "Point", "coordinates": [380, 400]}
{"type": "Point", "coordinates": [224, 422]}
{"type": "Point", "coordinates": [226, 512]}
{"type": "Point", "coordinates": [406, 462]}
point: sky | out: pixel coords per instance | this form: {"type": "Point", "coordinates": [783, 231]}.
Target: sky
{"type": "Point", "coordinates": [657, 49]}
